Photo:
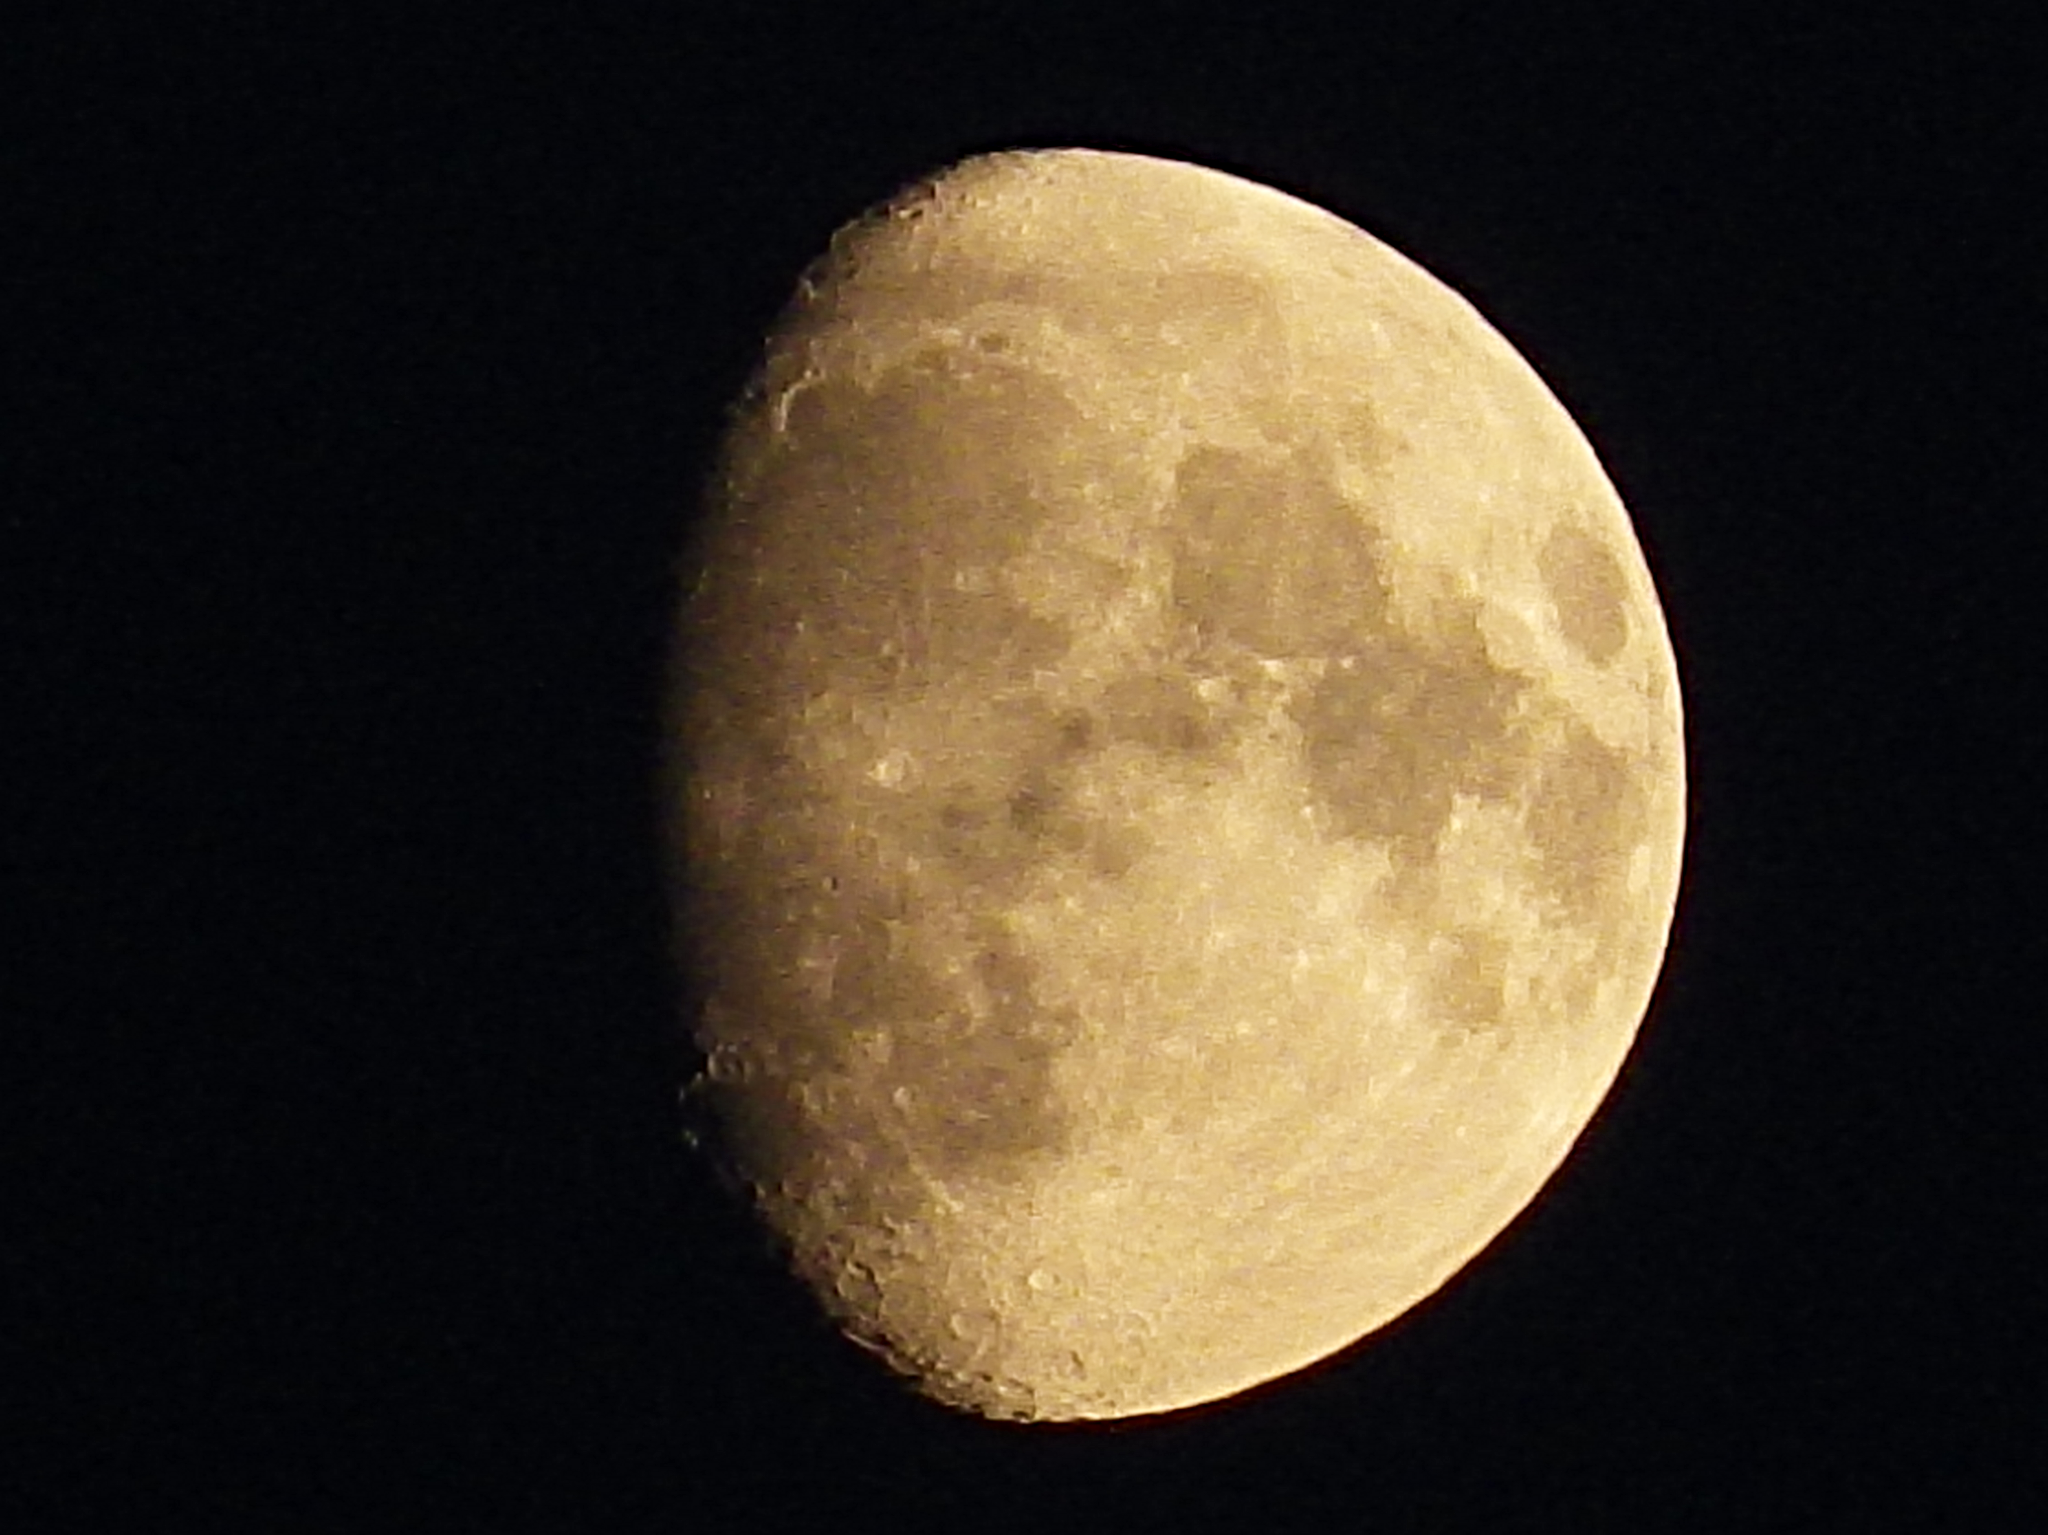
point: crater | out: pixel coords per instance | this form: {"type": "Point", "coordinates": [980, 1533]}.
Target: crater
{"type": "Point", "coordinates": [1585, 582]}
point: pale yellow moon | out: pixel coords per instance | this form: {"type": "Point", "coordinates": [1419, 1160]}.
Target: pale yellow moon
{"type": "Point", "coordinates": [1179, 784]}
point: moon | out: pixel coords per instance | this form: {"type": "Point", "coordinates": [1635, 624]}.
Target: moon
{"type": "Point", "coordinates": [1177, 785]}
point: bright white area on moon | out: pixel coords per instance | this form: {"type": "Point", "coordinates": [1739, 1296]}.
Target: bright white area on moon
{"type": "Point", "coordinates": [1180, 784]}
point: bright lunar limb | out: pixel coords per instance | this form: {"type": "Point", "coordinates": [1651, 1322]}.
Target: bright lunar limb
{"type": "Point", "coordinates": [1178, 783]}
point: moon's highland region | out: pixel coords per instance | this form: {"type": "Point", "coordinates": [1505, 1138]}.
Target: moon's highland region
{"type": "Point", "coordinates": [1179, 784]}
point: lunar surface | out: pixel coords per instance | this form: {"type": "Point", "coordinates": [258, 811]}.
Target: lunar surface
{"type": "Point", "coordinates": [1178, 785]}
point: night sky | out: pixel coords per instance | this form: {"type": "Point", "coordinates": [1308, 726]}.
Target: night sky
{"type": "Point", "coordinates": [365, 361]}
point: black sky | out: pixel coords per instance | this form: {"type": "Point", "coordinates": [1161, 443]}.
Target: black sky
{"type": "Point", "coordinates": [366, 358]}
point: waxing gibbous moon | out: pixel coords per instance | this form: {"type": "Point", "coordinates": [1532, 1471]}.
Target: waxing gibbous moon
{"type": "Point", "coordinates": [1178, 784]}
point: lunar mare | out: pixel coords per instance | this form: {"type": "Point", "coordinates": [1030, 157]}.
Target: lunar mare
{"type": "Point", "coordinates": [1178, 784]}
